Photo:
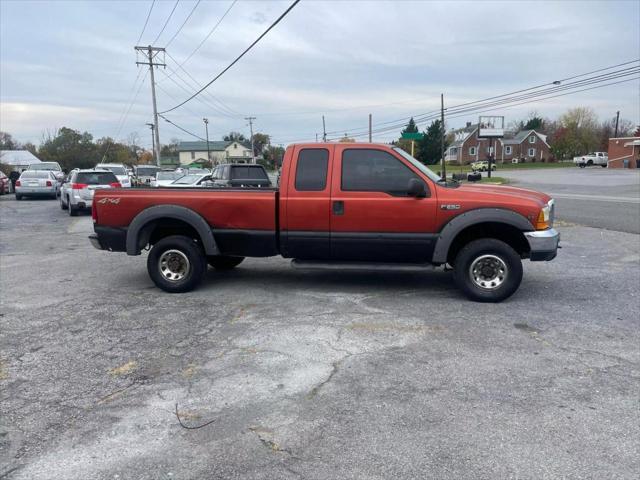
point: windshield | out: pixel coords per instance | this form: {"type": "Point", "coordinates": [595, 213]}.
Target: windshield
{"type": "Point", "coordinates": [116, 170]}
{"type": "Point", "coordinates": [45, 166]}
{"type": "Point", "coordinates": [187, 180]}
{"type": "Point", "coordinates": [418, 165]}
{"type": "Point", "coordinates": [151, 171]}
{"type": "Point", "coordinates": [168, 175]}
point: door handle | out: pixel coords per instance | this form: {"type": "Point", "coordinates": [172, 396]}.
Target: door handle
{"type": "Point", "coordinates": [338, 207]}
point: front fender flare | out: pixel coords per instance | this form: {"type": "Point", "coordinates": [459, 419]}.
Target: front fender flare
{"type": "Point", "coordinates": [175, 212]}
{"type": "Point", "coordinates": [453, 227]}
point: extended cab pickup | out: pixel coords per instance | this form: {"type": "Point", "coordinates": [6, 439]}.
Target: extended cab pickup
{"type": "Point", "coordinates": [594, 158]}
{"type": "Point", "coordinates": [340, 206]}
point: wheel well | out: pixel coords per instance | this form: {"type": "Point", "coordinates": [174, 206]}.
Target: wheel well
{"type": "Point", "coordinates": [156, 230]}
{"type": "Point", "coordinates": [500, 231]}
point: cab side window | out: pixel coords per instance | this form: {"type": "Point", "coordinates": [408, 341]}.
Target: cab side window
{"type": "Point", "coordinates": [311, 170]}
{"type": "Point", "coordinates": [370, 170]}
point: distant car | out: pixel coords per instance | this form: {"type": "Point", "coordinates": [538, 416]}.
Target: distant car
{"type": "Point", "coordinates": [163, 179]}
{"type": "Point", "coordinates": [593, 158]}
{"type": "Point", "coordinates": [119, 170]}
{"type": "Point", "coordinates": [5, 184]}
{"type": "Point", "coordinates": [50, 166]}
{"type": "Point", "coordinates": [143, 174]}
{"type": "Point", "coordinates": [37, 183]}
{"type": "Point", "coordinates": [482, 166]}
{"type": "Point", "coordinates": [192, 180]}
{"type": "Point", "coordinates": [77, 192]}
{"type": "Point", "coordinates": [240, 175]}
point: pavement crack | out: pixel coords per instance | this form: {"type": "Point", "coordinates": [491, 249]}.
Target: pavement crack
{"type": "Point", "coordinates": [335, 367]}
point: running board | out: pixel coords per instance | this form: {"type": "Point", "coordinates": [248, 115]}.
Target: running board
{"type": "Point", "coordinates": [355, 266]}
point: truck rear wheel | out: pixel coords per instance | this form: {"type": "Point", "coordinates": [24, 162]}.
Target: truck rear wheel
{"type": "Point", "coordinates": [487, 270]}
{"type": "Point", "coordinates": [176, 264]}
{"type": "Point", "coordinates": [223, 262]}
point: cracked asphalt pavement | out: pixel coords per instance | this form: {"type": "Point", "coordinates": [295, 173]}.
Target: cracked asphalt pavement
{"type": "Point", "coordinates": [312, 375]}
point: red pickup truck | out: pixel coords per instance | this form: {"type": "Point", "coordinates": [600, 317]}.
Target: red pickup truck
{"type": "Point", "coordinates": [346, 206]}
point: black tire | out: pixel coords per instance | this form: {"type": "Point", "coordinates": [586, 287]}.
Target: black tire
{"type": "Point", "coordinates": [581, 165]}
{"type": "Point", "coordinates": [589, 162]}
{"type": "Point", "coordinates": [187, 276]}
{"type": "Point", "coordinates": [604, 166]}
{"type": "Point", "coordinates": [73, 211]}
{"type": "Point", "coordinates": [491, 249]}
{"type": "Point", "coordinates": [222, 262]}
{"type": "Point", "coordinates": [18, 196]}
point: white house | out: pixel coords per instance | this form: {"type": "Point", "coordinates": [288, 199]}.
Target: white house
{"type": "Point", "coordinates": [219, 152]}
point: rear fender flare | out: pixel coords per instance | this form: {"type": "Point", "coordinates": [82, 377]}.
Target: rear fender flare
{"type": "Point", "coordinates": [176, 212]}
{"type": "Point", "coordinates": [453, 227]}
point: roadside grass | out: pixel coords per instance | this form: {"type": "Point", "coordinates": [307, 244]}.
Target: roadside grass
{"type": "Point", "coordinates": [493, 180]}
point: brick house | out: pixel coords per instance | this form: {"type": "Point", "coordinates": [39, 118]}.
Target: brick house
{"type": "Point", "coordinates": [525, 146]}
{"type": "Point", "coordinates": [624, 152]}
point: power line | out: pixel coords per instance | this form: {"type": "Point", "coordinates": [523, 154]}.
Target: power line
{"type": "Point", "coordinates": [146, 22]}
{"type": "Point", "coordinates": [183, 24]}
{"type": "Point", "coordinates": [180, 128]}
{"type": "Point", "coordinates": [556, 82]}
{"type": "Point", "coordinates": [166, 23]}
{"type": "Point", "coordinates": [284, 14]}
{"type": "Point", "coordinates": [208, 34]}
{"type": "Point", "coordinates": [222, 107]}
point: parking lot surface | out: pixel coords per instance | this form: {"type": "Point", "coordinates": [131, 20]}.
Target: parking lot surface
{"type": "Point", "coordinates": [594, 196]}
{"type": "Point", "coordinates": [312, 375]}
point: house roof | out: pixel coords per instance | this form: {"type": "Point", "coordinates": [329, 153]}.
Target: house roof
{"type": "Point", "coordinates": [18, 157]}
{"type": "Point", "coordinates": [520, 137]}
{"type": "Point", "coordinates": [214, 146]}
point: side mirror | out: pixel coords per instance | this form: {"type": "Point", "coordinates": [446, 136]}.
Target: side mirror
{"type": "Point", "coordinates": [417, 188]}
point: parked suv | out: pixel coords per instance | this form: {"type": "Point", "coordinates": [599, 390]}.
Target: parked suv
{"type": "Point", "coordinates": [240, 175]}
{"type": "Point", "coordinates": [119, 170]}
{"type": "Point", "coordinates": [77, 192]}
{"type": "Point", "coordinates": [144, 174]}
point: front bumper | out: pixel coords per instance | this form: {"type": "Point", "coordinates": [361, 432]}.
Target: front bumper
{"type": "Point", "coordinates": [543, 244]}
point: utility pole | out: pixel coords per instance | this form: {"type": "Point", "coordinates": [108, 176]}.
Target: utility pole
{"type": "Point", "coordinates": [324, 130]}
{"type": "Point", "coordinates": [206, 128]}
{"type": "Point", "coordinates": [153, 144]}
{"type": "Point", "coordinates": [444, 166]}
{"type": "Point", "coordinates": [617, 120]}
{"type": "Point", "coordinates": [253, 152]}
{"type": "Point", "coordinates": [370, 136]}
{"type": "Point", "coordinates": [151, 52]}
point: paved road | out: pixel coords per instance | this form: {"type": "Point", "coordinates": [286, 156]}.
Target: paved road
{"type": "Point", "coordinates": [597, 197]}
{"type": "Point", "coordinates": [311, 375]}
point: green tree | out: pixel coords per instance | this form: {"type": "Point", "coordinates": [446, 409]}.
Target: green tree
{"type": "Point", "coordinates": [7, 142]}
{"type": "Point", "coordinates": [410, 128]}
{"type": "Point", "coordinates": [272, 157]}
{"type": "Point", "coordinates": [429, 147]}
{"type": "Point", "coordinates": [534, 123]}
{"type": "Point", "coordinates": [260, 142]}
{"type": "Point", "coordinates": [70, 149]}
{"type": "Point", "coordinates": [234, 137]}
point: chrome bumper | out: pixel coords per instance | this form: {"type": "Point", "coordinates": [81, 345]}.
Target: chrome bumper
{"type": "Point", "coordinates": [543, 244]}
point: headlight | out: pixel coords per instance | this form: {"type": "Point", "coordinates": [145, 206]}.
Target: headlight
{"type": "Point", "coordinates": [545, 217]}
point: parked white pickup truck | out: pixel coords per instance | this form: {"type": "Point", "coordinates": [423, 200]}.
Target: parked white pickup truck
{"type": "Point", "coordinates": [593, 158]}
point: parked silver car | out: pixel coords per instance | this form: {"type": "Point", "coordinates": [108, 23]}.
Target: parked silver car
{"type": "Point", "coordinates": [37, 183]}
{"type": "Point", "coordinates": [164, 178]}
{"type": "Point", "coordinates": [192, 180]}
{"type": "Point", "coordinates": [119, 170]}
{"type": "Point", "coordinates": [77, 191]}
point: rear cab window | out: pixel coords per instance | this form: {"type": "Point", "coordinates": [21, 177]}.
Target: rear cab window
{"type": "Point", "coordinates": [96, 178]}
{"type": "Point", "coordinates": [311, 170]}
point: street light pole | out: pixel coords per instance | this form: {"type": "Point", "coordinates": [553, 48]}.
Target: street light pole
{"type": "Point", "coordinates": [206, 128]}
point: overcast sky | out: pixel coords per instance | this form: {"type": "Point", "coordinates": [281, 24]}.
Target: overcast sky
{"type": "Point", "coordinates": [73, 63]}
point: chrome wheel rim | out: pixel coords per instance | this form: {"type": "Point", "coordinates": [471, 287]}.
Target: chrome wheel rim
{"type": "Point", "coordinates": [174, 265]}
{"type": "Point", "coordinates": [488, 272]}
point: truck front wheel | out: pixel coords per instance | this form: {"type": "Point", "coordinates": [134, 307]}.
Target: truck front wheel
{"type": "Point", "coordinates": [487, 270]}
{"type": "Point", "coordinates": [176, 264]}
{"type": "Point", "coordinates": [223, 262]}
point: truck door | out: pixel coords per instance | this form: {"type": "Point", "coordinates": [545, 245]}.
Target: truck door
{"type": "Point", "coordinates": [372, 216]}
{"type": "Point", "coordinates": [306, 226]}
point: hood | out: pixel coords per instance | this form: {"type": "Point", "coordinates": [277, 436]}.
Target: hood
{"type": "Point", "coordinates": [505, 192]}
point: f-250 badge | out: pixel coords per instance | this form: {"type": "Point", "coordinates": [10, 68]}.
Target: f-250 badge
{"type": "Point", "coordinates": [450, 207]}
{"type": "Point", "coordinates": [115, 201]}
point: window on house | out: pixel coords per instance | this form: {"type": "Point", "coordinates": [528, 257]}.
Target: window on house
{"type": "Point", "coordinates": [472, 150]}
{"type": "Point", "coordinates": [532, 152]}
{"type": "Point", "coordinates": [532, 139]}
{"type": "Point", "coordinates": [193, 155]}
{"type": "Point", "coordinates": [507, 150]}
